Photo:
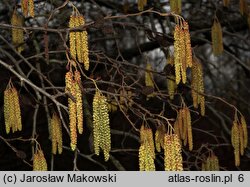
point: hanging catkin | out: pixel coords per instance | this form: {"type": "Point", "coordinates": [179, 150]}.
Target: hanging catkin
{"type": "Point", "coordinates": [79, 110]}
{"type": "Point", "coordinates": [235, 139]}
{"type": "Point", "coordinates": [39, 161]}
{"type": "Point", "coordinates": [141, 4]}
{"type": "Point", "coordinates": [172, 153]}
{"type": "Point", "coordinates": [12, 112]}
{"type": "Point", "coordinates": [243, 7]}
{"type": "Point", "coordinates": [17, 34]}
{"type": "Point", "coordinates": [177, 54]}
{"type": "Point", "coordinates": [159, 138]}
{"type": "Point", "coordinates": [189, 129]}
{"type": "Point", "coordinates": [183, 127]}
{"type": "Point", "coordinates": [149, 76]}
{"type": "Point", "coordinates": [56, 134]}
{"type": "Point", "coordinates": [27, 7]}
{"type": "Point", "coordinates": [197, 85]}
{"type": "Point", "coordinates": [182, 51]}
{"type": "Point", "coordinates": [239, 137]}
{"type": "Point", "coordinates": [211, 163]}
{"type": "Point", "coordinates": [73, 82]}
{"type": "Point", "coordinates": [244, 129]}
{"type": "Point", "coordinates": [175, 6]}
{"type": "Point", "coordinates": [146, 150]}
{"type": "Point", "coordinates": [188, 48]}
{"type": "Point", "coordinates": [171, 86]}
{"type": "Point", "coordinates": [78, 40]}
{"type": "Point", "coordinates": [217, 38]}
{"type": "Point", "coordinates": [70, 88]}
{"type": "Point", "coordinates": [31, 8]}
{"type": "Point", "coordinates": [101, 128]}
{"type": "Point", "coordinates": [72, 37]}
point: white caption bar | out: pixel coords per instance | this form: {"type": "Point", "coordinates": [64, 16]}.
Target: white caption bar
{"type": "Point", "coordinates": [127, 178]}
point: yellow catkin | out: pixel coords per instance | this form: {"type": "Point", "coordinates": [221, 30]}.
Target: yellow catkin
{"type": "Point", "coordinates": [243, 7]}
{"type": "Point", "coordinates": [85, 48]}
{"type": "Point", "coordinates": [143, 134]}
{"type": "Point", "coordinates": [12, 111]}
{"type": "Point", "coordinates": [146, 137]}
{"type": "Point", "coordinates": [170, 60]}
{"type": "Point", "coordinates": [72, 37]}
{"type": "Point", "coordinates": [208, 164]}
{"type": "Point", "coordinates": [17, 34]}
{"type": "Point", "coordinates": [168, 153]}
{"type": "Point", "coordinates": [197, 84]}
{"type": "Point", "coordinates": [101, 128]}
{"type": "Point", "coordinates": [7, 108]}
{"type": "Point", "coordinates": [245, 131]}
{"type": "Point", "coordinates": [216, 166]}
{"type": "Point", "coordinates": [217, 38]}
{"type": "Point", "coordinates": [25, 7]}
{"type": "Point", "coordinates": [188, 48]}
{"type": "Point", "coordinates": [159, 138]}
{"type": "Point", "coordinates": [201, 98]}
{"type": "Point", "coordinates": [157, 141]}
{"type": "Point", "coordinates": [184, 126]}
{"type": "Point", "coordinates": [39, 161]}
{"type": "Point", "coordinates": [180, 124]}
{"type": "Point", "coordinates": [178, 156]}
{"type": "Point", "coordinates": [146, 162]}
{"type": "Point", "coordinates": [202, 105]}
{"type": "Point", "coordinates": [79, 46]}
{"type": "Point", "coordinates": [235, 138]}
{"type": "Point", "coordinates": [189, 129]}
{"type": "Point", "coordinates": [226, 3]}
{"type": "Point", "coordinates": [79, 41]}
{"type": "Point", "coordinates": [56, 134]}
{"type": "Point", "coordinates": [241, 137]}
{"type": "Point", "coordinates": [72, 124]}
{"type": "Point", "coordinates": [53, 134]}
{"type": "Point", "coordinates": [141, 4]}
{"type": "Point", "coordinates": [149, 76]}
{"type": "Point", "coordinates": [203, 166]}
{"type": "Point", "coordinates": [177, 54]}
{"type": "Point", "coordinates": [42, 160]}
{"type": "Point", "coordinates": [237, 157]}
{"type": "Point", "coordinates": [177, 128]}
{"type": "Point", "coordinates": [150, 142]}
{"type": "Point", "coordinates": [31, 8]}
{"type": "Point", "coordinates": [70, 87]}
{"type": "Point", "coordinates": [79, 109]}
{"type": "Point", "coordinates": [146, 151]}
{"type": "Point", "coordinates": [211, 163]}
{"type": "Point", "coordinates": [175, 6]}
{"type": "Point", "coordinates": [241, 4]}
{"type": "Point", "coordinates": [182, 51]}
{"type": "Point", "coordinates": [123, 95]}
{"type": "Point", "coordinates": [172, 153]}
{"type": "Point", "coordinates": [112, 106]}
{"type": "Point", "coordinates": [36, 163]}
{"type": "Point", "coordinates": [142, 155]}
{"type": "Point", "coordinates": [16, 104]}
{"type": "Point", "coordinates": [59, 137]}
